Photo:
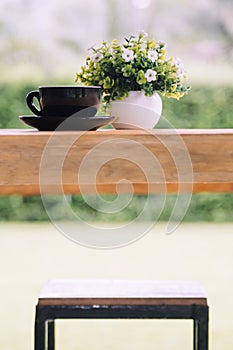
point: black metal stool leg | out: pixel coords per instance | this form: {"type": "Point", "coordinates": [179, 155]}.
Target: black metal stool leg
{"type": "Point", "coordinates": [202, 328]}
{"type": "Point", "coordinates": [39, 335]}
{"type": "Point", "coordinates": [195, 329]}
{"type": "Point", "coordinates": [51, 334]}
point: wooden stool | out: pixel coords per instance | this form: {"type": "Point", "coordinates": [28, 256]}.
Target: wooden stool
{"type": "Point", "coordinates": [127, 299]}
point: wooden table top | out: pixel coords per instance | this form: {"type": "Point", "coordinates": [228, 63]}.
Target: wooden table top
{"type": "Point", "coordinates": [122, 292]}
{"type": "Point", "coordinates": [197, 160]}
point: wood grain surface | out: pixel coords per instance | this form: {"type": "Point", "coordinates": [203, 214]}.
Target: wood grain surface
{"type": "Point", "coordinates": [142, 161]}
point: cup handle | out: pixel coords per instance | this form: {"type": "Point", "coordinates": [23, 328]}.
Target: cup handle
{"type": "Point", "coordinates": [30, 102]}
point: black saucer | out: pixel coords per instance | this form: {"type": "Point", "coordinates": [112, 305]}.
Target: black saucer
{"type": "Point", "coordinates": [63, 123]}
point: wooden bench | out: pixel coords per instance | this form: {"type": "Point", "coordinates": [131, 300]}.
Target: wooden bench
{"type": "Point", "coordinates": [114, 299]}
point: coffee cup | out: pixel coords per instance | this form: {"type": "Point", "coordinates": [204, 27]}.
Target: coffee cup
{"type": "Point", "coordinates": [64, 101]}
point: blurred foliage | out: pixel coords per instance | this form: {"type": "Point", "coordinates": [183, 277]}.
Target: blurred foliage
{"type": "Point", "coordinates": [204, 107]}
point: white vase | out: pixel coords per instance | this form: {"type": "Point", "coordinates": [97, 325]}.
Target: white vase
{"type": "Point", "coordinates": [136, 111]}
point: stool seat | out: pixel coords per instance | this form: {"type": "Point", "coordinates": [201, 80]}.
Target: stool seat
{"type": "Point", "coordinates": [122, 292]}
{"type": "Point", "coordinates": [115, 299]}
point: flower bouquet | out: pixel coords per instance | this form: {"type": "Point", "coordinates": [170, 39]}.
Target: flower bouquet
{"type": "Point", "coordinates": [139, 64]}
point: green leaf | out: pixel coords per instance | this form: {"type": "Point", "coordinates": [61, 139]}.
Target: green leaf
{"type": "Point", "coordinates": [141, 79]}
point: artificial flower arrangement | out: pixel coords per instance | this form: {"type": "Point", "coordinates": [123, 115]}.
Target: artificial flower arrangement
{"type": "Point", "coordinates": [139, 64]}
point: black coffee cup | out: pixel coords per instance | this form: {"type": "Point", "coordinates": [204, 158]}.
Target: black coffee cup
{"type": "Point", "coordinates": [64, 101]}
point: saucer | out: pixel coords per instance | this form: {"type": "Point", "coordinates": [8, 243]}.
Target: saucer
{"type": "Point", "coordinates": [63, 123]}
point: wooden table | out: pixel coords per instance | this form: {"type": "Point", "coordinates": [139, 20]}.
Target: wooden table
{"type": "Point", "coordinates": [177, 160]}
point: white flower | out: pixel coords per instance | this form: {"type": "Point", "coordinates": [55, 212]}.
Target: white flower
{"type": "Point", "coordinates": [143, 47]}
{"type": "Point", "coordinates": [180, 73]}
{"type": "Point", "coordinates": [150, 75]}
{"type": "Point", "coordinates": [143, 33]}
{"type": "Point", "coordinates": [152, 55]}
{"type": "Point", "coordinates": [96, 57]}
{"type": "Point", "coordinates": [128, 55]}
{"type": "Point", "coordinates": [178, 63]}
{"type": "Point", "coordinates": [160, 42]}
{"type": "Point", "coordinates": [180, 67]}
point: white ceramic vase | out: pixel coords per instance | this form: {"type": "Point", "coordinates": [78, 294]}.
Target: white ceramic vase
{"type": "Point", "coordinates": [137, 111]}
